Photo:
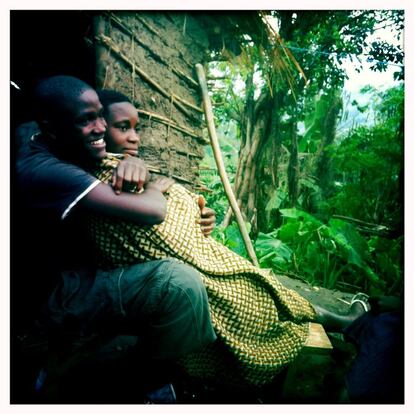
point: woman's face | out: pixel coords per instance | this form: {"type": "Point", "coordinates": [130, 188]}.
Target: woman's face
{"type": "Point", "coordinates": [122, 134]}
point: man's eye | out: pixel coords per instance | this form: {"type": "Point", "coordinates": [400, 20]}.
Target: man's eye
{"type": "Point", "coordinates": [82, 121]}
{"type": "Point", "coordinates": [87, 119]}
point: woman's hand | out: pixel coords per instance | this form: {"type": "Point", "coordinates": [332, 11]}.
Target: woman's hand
{"type": "Point", "coordinates": [208, 217]}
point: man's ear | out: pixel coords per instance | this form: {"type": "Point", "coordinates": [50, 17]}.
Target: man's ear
{"type": "Point", "coordinates": [48, 128]}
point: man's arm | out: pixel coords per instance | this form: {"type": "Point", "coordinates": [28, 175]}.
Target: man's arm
{"type": "Point", "coordinates": [149, 207]}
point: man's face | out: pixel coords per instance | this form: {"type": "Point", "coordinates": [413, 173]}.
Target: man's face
{"type": "Point", "coordinates": [84, 126]}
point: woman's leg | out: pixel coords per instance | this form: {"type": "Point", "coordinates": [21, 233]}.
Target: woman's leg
{"type": "Point", "coordinates": [335, 322]}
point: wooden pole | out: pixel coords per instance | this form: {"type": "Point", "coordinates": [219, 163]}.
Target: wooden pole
{"type": "Point", "coordinates": [220, 164]}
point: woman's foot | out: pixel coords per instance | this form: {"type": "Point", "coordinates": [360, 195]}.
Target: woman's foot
{"type": "Point", "coordinates": [334, 322]}
{"type": "Point", "coordinates": [363, 300]}
{"type": "Point", "coordinates": [356, 310]}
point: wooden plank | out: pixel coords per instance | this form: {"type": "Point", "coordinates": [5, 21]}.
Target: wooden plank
{"type": "Point", "coordinates": [305, 377]}
{"type": "Point", "coordinates": [318, 340]}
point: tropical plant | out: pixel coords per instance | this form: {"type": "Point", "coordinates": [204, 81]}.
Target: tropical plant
{"type": "Point", "coordinates": [331, 254]}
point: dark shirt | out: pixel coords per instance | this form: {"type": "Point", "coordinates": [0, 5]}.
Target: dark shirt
{"type": "Point", "coordinates": [49, 189]}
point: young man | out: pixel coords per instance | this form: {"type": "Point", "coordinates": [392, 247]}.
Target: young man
{"type": "Point", "coordinates": [163, 301]}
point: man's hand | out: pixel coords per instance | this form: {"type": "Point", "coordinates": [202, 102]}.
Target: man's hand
{"type": "Point", "coordinates": [208, 217]}
{"type": "Point", "coordinates": [161, 184]}
{"type": "Point", "coordinates": [130, 170]}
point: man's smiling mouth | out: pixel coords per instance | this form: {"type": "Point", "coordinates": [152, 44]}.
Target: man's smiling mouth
{"type": "Point", "coordinates": [97, 143]}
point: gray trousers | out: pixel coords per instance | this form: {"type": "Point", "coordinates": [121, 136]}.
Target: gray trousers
{"type": "Point", "coordinates": [163, 302]}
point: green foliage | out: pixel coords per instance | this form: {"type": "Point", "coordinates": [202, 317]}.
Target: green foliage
{"type": "Point", "coordinates": [215, 199]}
{"type": "Point", "coordinates": [357, 175]}
{"type": "Point", "coordinates": [321, 249]}
{"type": "Point", "coordinates": [315, 123]}
{"type": "Point", "coordinates": [387, 257]}
{"type": "Point", "coordinates": [231, 237]}
{"type": "Point", "coordinates": [324, 254]}
{"type": "Point", "coordinates": [273, 253]}
{"type": "Point", "coordinates": [368, 164]}
{"type": "Point", "coordinates": [229, 146]}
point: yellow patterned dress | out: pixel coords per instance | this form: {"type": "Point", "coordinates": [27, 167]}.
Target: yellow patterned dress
{"type": "Point", "coordinates": [262, 325]}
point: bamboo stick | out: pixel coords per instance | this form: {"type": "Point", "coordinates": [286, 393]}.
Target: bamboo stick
{"type": "Point", "coordinates": [148, 26]}
{"type": "Point", "coordinates": [165, 121]}
{"type": "Point", "coordinates": [220, 164]}
{"type": "Point", "coordinates": [188, 154]}
{"type": "Point", "coordinates": [156, 170]}
{"type": "Point", "coordinates": [179, 72]}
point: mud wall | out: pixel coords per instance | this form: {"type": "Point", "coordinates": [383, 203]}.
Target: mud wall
{"type": "Point", "coordinates": [150, 57]}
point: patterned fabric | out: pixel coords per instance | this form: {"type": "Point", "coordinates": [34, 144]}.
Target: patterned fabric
{"type": "Point", "coordinates": [262, 325]}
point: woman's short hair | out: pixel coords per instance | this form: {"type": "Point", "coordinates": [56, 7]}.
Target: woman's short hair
{"type": "Point", "coordinates": [110, 96]}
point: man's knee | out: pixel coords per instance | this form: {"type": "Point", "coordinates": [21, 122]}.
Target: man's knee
{"type": "Point", "coordinates": [183, 290]}
{"type": "Point", "coordinates": [184, 278]}
{"type": "Point", "coordinates": [184, 314]}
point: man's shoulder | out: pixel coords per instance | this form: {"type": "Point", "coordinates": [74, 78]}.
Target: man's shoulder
{"type": "Point", "coordinates": [47, 182]}
{"type": "Point", "coordinates": [33, 155]}
{"type": "Point", "coordinates": [30, 142]}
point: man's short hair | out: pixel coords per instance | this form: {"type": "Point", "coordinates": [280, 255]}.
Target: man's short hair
{"type": "Point", "coordinates": [51, 93]}
{"type": "Point", "coordinates": [109, 97]}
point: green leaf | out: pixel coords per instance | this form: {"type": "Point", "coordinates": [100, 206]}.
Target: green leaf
{"type": "Point", "coordinates": [302, 215]}
{"type": "Point", "coordinates": [268, 245]}
{"type": "Point", "coordinates": [289, 231]}
{"type": "Point", "coordinates": [276, 200]}
{"type": "Point", "coordinates": [290, 212]}
{"type": "Point", "coordinates": [354, 246]}
{"type": "Point", "coordinates": [309, 183]}
{"type": "Point", "coordinates": [234, 240]}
